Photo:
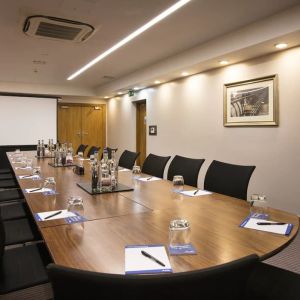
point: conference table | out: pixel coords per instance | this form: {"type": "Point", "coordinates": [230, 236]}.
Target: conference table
{"type": "Point", "coordinates": [142, 217]}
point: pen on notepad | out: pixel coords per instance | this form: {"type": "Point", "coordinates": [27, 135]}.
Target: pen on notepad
{"type": "Point", "coordinates": [35, 190]}
{"type": "Point", "coordinates": [149, 178]}
{"type": "Point", "coordinates": [195, 193]}
{"type": "Point", "coordinates": [269, 223]}
{"type": "Point", "coordinates": [26, 176]}
{"type": "Point", "coordinates": [55, 214]}
{"type": "Point", "coordinates": [153, 258]}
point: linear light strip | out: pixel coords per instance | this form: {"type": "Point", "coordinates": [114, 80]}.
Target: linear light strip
{"type": "Point", "coordinates": [131, 36]}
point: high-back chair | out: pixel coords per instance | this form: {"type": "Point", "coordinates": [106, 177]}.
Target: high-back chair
{"type": "Point", "coordinates": [154, 165]}
{"type": "Point", "coordinates": [227, 281]}
{"type": "Point", "coordinates": [228, 179]}
{"type": "Point", "coordinates": [81, 148]}
{"type": "Point", "coordinates": [187, 167]}
{"type": "Point", "coordinates": [21, 267]}
{"type": "Point", "coordinates": [92, 150]}
{"type": "Point", "coordinates": [127, 159]}
{"type": "Point", "coordinates": [109, 150]}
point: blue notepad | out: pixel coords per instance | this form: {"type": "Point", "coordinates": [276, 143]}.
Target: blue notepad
{"type": "Point", "coordinates": [185, 249]}
{"type": "Point", "coordinates": [137, 263]}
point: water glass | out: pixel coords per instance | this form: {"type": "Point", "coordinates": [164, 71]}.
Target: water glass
{"type": "Point", "coordinates": [136, 171]}
{"type": "Point", "coordinates": [50, 183]}
{"type": "Point", "coordinates": [179, 232]}
{"type": "Point", "coordinates": [36, 170]}
{"type": "Point", "coordinates": [75, 201]}
{"type": "Point", "coordinates": [259, 205]}
{"type": "Point", "coordinates": [178, 183]}
{"type": "Point", "coordinates": [80, 154]}
{"type": "Point", "coordinates": [29, 163]}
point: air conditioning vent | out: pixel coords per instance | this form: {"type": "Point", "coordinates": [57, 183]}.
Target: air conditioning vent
{"type": "Point", "coordinates": [57, 28]}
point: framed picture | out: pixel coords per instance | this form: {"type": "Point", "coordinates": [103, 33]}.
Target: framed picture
{"type": "Point", "coordinates": [152, 130]}
{"type": "Point", "coordinates": [251, 102]}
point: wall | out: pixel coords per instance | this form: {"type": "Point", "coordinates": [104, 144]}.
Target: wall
{"type": "Point", "coordinates": [189, 116]}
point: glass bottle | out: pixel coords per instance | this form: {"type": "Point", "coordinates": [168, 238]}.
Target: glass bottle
{"type": "Point", "coordinates": [114, 170]}
{"type": "Point", "coordinates": [95, 177]}
{"type": "Point", "coordinates": [38, 149]}
{"type": "Point", "coordinates": [43, 149]}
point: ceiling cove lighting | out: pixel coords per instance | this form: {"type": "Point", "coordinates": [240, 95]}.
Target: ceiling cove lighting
{"type": "Point", "coordinates": [281, 46]}
{"type": "Point", "coordinates": [156, 82]}
{"type": "Point", "coordinates": [184, 74]}
{"type": "Point", "coordinates": [131, 36]}
{"type": "Point", "coordinates": [224, 62]}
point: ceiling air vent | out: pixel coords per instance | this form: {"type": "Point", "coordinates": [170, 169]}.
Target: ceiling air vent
{"type": "Point", "coordinates": [57, 28]}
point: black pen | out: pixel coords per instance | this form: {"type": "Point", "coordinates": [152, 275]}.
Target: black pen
{"type": "Point", "coordinates": [153, 258]}
{"type": "Point", "coordinates": [269, 223]}
{"type": "Point", "coordinates": [149, 178]}
{"type": "Point", "coordinates": [196, 191]}
{"type": "Point", "coordinates": [26, 176]}
{"type": "Point", "coordinates": [55, 214]}
{"type": "Point", "coordinates": [35, 190]}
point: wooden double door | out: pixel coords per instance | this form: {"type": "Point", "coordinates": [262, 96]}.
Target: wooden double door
{"type": "Point", "coordinates": [82, 124]}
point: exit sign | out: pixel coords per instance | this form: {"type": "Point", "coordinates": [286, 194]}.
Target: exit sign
{"type": "Point", "coordinates": [131, 93]}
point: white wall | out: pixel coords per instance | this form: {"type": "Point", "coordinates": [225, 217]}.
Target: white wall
{"type": "Point", "coordinates": [189, 116]}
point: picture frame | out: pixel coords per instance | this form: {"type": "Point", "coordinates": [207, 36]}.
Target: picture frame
{"type": "Point", "coordinates": [152, 130]}
{"type": "Point", "coordinates": [251, 102]}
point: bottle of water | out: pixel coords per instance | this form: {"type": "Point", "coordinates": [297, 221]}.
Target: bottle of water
{"type": "Point", "coordinates": [38, 149]}
{"type": "Point", "coordinates": [43, 149]}
{"type": "Point", "coordinates": [114, 170]}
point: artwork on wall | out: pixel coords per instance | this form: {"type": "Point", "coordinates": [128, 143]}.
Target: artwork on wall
{"type": "Point", "coordinates": [251, 102]}
{"type": "Point", "coordinates": [152, 130]}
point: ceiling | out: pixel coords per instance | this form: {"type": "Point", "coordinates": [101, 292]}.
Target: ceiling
{"type": "Point", "coordinates": [30, 60]}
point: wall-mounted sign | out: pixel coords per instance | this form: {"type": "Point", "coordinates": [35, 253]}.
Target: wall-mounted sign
{"type": "Point", "coordinates": [131, 93]}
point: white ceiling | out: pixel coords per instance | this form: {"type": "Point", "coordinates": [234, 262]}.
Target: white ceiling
{"type": "Point", "coordinates": [196, 23]}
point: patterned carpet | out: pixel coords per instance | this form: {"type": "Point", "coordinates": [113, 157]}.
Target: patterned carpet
{"type": "Point", "coordinates": [289, 258]}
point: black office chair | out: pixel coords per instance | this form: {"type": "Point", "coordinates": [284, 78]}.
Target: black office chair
{"type": "Point", "coordinates": [228, 179]}
{"type": "Point", "coordinates": [9, 184]}
{"type": "Point", "coordinates": [109, 150]}
{"type": "Point", "coordinates": [92, 150]}
{"type": "Point", "coordinates": [5, 170]}
{"type": "Point", "coordinates": [11, 195]}
{"type": "Point", "coordinates": [6, 176]}
{"type": "Point", "coordinates": [81, 148]}
{"type": "Point", "coordinates": [21, 267]}
{"type": "Point", "coordinates": [227, 281]}
{"type": "Point", "coordinates": [127, 159]}
{"type": "Point", "coordinates": [187, 167]}
{"type": "Point", "coordinates": [154, 165]}
{"type": "Point", "coordinates": [12, 211]}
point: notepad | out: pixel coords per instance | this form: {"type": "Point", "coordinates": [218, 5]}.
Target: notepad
{"type": "Point", "coordinates": [136, 263]}
{"type": "Point", "coordinates": [33, 177]}
{"type": "Point", "coordinates": [148, 179]}
{"type": "Point", "coordinates": [23, 168]}
{"type": "Point", "coordinates": [192, 193]}
{"type": "Point", "coordinates": [64, 214]}
{"type": "Point", "coordinates": [123, 170]}
{"type": "Point", "coordinates": [43, 190]}
{"type": "Point", "coordinates": [251, 223]}
{"type": "Point", "coordinates": [185, 249]}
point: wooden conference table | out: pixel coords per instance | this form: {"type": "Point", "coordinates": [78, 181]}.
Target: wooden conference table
{"type": "Point", "coordinates": [141, 217]}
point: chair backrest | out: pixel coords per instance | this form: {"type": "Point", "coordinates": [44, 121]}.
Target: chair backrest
{"type": "Point", "coordinates": [228, 179]}
{"type": "Point", "coordinates": [227, 281]}
{"type": "Point", "coordinates": [155, 165]}
{"type": "Point", "coordinates": [2, 238]}
{"type": "Point", "coordinates": [92, 150]}
{"type": "Point", "coordinates": [81, 148]}
{"type": "Point", "coordinates": [187, 167]}
{"type": "Point", "coordinates": [127, 159]}
{"type": "Point", "coordinates": [109, 150]}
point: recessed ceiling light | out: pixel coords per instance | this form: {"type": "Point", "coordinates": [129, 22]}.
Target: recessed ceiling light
{"type": "Point", "coordinates": [136, 88]}
{"type": "Point", "coordinates": [281, 46]}
{"type": "Point", "coordinates": [106, 97]}
{"type": "Point", "coordinates": [223, 62]}
{"type": "Point", "coordinates": [184, 74]}
{"type": "Point", "coordinates": [157, 82]}
{"type": "Point", "coordinates": [120, 93]}
{"type": "Point", "coordinates": [131, 36]}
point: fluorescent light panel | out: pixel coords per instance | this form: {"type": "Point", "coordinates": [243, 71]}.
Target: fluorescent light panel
{"type": "Point", "coordinates": [131, 36]}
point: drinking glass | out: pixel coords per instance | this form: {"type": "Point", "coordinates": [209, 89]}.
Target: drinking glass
{"type": "Point", "coordinates": [259, 205]}
{"type": "Point", "coordinates": [75, 201]}
{"type": "Point", "coordinates": [136, 171]}
{"type": "Point", "coordinates": [29, 163]}
{"type": "Point", "coordinates": [179, 232]}
{"type": "Point", "coordinates": [178, 183]}
{"type": "Point", "coordinates": [50, 183]}
{"type": "Point", "coordinates": [80, 154]}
